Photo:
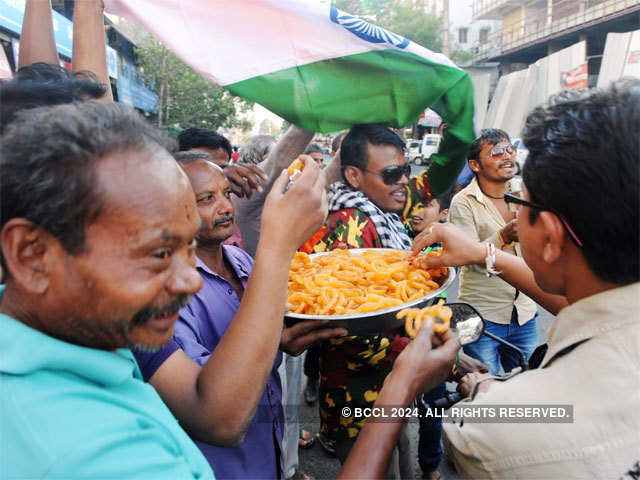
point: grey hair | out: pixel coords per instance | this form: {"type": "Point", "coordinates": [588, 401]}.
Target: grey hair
{"type": "Point", "coordinates": [191, 156]}
{"type": "Point", "coordinates": [49, 159]}
{"type": "Point", "coordinates": [312, 148]}
{"type": "Point", "coordinates": [254, 150]}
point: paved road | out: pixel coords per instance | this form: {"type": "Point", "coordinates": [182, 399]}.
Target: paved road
{"type": "Point", "coordinates": [317, 464]}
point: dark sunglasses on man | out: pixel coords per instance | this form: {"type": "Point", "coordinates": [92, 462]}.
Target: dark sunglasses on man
{"type": "Point", "coordinates": [499, 150]}
{"type": "Point", "coordinates": [517, 203]}
{"type": "Point", "coordinates": [392, 175]}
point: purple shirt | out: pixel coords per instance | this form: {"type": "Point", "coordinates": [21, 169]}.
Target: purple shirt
{"type": "Point", "coordinates": [202, 324]}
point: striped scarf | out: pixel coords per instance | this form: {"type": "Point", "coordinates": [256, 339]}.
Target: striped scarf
{"type": "Point", "coordinates": [388, 225]}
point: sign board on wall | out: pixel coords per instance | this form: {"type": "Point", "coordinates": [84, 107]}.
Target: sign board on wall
{"type": "Point", "coordinates": [509, 108]}
{"type": "Point", "coordinates": [12, 13]}
{"type": "Point", "coordinates": [429, 118]}
{"type": "Point", "coordinates": [112, 62]}
{"type": "Point", "coordinates": [136, 95]}
{"type": "Point", "coordinates": [576, 78]}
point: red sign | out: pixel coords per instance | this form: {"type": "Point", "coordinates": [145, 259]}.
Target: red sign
{"type": "Point", "coordinates": [575, 78]}
{"type": "Point", "coordinates": [429, 118]}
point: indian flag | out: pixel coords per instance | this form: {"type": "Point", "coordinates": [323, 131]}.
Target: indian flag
{"type": "Point", "coordinates": [315, 66]}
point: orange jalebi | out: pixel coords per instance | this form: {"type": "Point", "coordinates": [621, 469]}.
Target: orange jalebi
{"type": "Point", "coordinates": [440, 316]}
{"type": "Point", "coordinates": [342, 282]}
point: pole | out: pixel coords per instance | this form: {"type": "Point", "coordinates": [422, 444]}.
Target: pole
{"type": "Point", "coordinates": [445, 27]}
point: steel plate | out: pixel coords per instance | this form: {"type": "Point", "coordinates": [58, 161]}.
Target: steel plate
{"type": "Point", "coordinates": [371, 322]}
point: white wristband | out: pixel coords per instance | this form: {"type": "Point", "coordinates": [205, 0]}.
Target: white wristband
{"type": "Point", "coordinates": [490, 260]}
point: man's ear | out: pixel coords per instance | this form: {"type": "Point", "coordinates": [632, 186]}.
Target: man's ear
{"type": "Point", "coordinates": [554, 236]}
{"type": "Point", "coordinates": [443, 214]}
{"type": "Point", "coordinates": [24, 248]}
{"type": "Point", "coordinates": [353, 176]}
{"type": "Point", "coordinates": [474, 165]}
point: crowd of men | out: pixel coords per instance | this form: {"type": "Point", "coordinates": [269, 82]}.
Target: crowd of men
{"type": "Point", "coordinates": [144, 288]}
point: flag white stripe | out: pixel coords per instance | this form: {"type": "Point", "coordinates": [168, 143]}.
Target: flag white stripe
{"type": "Point", "coordinates": [231, 41]}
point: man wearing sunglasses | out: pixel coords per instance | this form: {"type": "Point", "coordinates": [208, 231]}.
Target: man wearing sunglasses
{"type": "Point", "coordinates": [481, 211]}
{"type": "Point", "coordinates": [578, 227]}
{"type": "Point", "coordinates": [364, 212]}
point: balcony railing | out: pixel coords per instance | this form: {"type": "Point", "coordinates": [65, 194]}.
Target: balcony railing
{"type": "Point", "coordinates": [492, 9]}
{"type": "Point", "coordinates": [537, 27]}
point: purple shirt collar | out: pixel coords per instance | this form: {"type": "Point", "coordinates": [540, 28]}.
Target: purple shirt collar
{"type": "Point", "coordinates": [236, 258]}
{"type": "Point", "coordinates": [202, 324]}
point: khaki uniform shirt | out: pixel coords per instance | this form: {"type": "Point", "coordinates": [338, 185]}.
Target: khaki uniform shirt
{"type": "Point", "coordinates": [494, 298]}
{"type": "Point", "coordinates": [600, 378]}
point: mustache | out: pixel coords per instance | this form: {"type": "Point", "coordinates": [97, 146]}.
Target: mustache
{"type": "Point", "coordinates": [226, 218]}
{"type": "Point", "coordinates": [159, 312]}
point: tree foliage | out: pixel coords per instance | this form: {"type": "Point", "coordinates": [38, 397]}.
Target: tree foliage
{"type": "Point", "coordinates": [185, 98]}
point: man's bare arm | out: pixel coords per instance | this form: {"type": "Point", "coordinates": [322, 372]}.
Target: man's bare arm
{"type": "Point", "coordinates": [216, 403]}
{"type": "Point", "coordinates": [417, 369]}
{"type": "Point", "coordinates": [293, 143]}
{"type": "Point", "coordinates": [459, 249]}
{"type": "Point", "coordinates": [37, 41]}
{"type": "Point", "coordinates": [89, 46]}
{"type": "Point", "coordinates": [249, 210]}
{"type": "Point", "coordinates": [333, 171]}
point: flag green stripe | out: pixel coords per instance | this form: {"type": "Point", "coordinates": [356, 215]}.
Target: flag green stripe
{"type": "Point", "coordinates": [386, 86]}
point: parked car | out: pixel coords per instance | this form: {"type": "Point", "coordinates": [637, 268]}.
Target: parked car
{"type": "Point", "coordinates": [412, 151]}
{"type": "Point", "coordinates": [430, 145]}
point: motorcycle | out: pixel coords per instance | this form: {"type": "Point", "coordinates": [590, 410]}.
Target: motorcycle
{"type": "Point", "coordinates": [469, 325]}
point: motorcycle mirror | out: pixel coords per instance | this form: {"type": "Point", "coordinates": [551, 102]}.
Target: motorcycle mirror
{"type": "Point", "coordinates": [466, 322]}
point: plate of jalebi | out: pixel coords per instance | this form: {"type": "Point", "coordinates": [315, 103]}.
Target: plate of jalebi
{"type": "Point", "coordinates": [361, 289]}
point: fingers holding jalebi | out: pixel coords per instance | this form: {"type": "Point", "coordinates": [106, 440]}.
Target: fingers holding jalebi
{"type": "Point", "coordinates": [440, 316]}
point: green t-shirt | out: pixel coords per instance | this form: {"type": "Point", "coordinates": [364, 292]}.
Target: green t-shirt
{"type": "Point", "coordinates": [74, 412]}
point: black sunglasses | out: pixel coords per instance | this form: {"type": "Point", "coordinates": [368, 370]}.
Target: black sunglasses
{"type": "Point", "coordinates": [512, 199]}
{"type": "Point", "coordinates": [392, 175]}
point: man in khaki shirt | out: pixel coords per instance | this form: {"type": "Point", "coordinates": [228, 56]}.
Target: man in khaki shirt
{"type": "Point", "coordinates": [482, 213]}
{"type": "Point", "coordinates": [578, 227]}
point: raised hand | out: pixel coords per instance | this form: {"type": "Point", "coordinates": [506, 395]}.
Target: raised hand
{"type": "Point", "coordinates": [290, 218]}
{"type": "Point", "coordinates": [457, 247]}
{"type": "Point", "coordinates": [245, 178]}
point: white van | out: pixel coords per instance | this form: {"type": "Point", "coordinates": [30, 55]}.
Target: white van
{"type": "Point", "coordinates": [430, 144]}
{"type": "Point", "coordinates": [413, 150]}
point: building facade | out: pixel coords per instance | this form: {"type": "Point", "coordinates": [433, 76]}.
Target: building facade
{"type": "Point", "coordinates": [533, 29]}
{"type": "Point", "coordinates": [126, 80]}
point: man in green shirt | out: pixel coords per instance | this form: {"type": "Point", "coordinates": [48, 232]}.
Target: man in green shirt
{"type": "Point", "coordinates": [98, 227]}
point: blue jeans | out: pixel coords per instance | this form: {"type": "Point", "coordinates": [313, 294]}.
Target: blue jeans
{"type": "Point", "coordinates": [429, 448]}
{"type": "Point", "coordinates": [492, 354]}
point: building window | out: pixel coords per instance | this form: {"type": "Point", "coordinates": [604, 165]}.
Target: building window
{"type": "Point", "coordinates": [484, 35]}
{"type": "Point", "coordinates": [462, 35]}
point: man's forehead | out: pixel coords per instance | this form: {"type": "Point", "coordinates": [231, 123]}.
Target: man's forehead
{"type": "Point", "coordinates": [388, 154]}
{"type": "Point", "coordinates": [205, 175]}
{"type": "Point", "coordinates": [489, 144]}
{"type": "Point", "coordinates": [143, 183]}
